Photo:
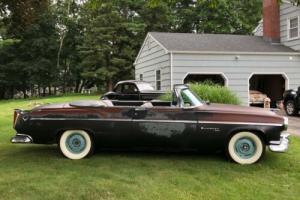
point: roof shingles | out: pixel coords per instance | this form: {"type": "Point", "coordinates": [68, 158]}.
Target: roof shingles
{"type": "Point", "coordinates": [216, 43]}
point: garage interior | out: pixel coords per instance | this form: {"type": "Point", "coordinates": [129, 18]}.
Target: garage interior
{"type": "Point", "coordinates": [200, 78]}
{"type": "Point", "coordinates": [271, 85]}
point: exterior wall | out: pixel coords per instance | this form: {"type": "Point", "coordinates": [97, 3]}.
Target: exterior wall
{"type": "Point", "coordinates": [237, 71]}
{"type": "Point", "coordinates": [151, 58]}
{"type": "Point", "coordinates": [287, 11]}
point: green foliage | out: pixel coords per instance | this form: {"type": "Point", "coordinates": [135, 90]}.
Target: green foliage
{"type": "Point", "coordinates": [215, 93]}
{"type": "Point", "coordinates": [68, 45]}
{"type": "Point", "coordinates": [211, 92]}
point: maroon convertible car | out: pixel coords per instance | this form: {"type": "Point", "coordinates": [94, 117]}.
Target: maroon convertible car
{"type": "Point", "coordinates": [185, 123]}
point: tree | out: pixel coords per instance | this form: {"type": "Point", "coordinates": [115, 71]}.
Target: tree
{"type": "Point", "coordinates": [109, 43]}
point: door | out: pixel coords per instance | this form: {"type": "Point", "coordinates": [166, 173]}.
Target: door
{"type": "Point", "coordinates": [114, 127]}
{"type": "Point", "coordinates": [130, 92]}
{"type": "Point", "coordinates": [164, 127]}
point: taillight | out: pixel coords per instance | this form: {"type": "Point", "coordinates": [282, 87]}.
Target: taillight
{"type": "Point", "coordinates": [16, 115]}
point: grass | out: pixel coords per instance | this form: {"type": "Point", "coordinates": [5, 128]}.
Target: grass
{"type": "Point", "coordinates": [40, 172]}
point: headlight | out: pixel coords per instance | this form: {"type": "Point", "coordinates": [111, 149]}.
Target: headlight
{"type": "Point", "coordinates": [286, 123]}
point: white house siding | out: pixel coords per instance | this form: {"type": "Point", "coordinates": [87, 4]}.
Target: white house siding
{"type": "Point", "coordinates": [151, 58]}
{"type": "Point", "coordinates": [238, 70]}
{"type": "Point", "coordinates": [287, 11]}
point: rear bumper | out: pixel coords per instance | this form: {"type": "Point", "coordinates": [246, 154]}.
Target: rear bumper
{"type": "Point", "coordinates": [282, 145]}
{"type": "Point", "coordinates": [21, 139]}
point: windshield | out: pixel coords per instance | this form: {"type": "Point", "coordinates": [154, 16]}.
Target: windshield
{"type": "Point", "coordinates": [144, 86]}
{"type": "Point", "coordinates": [190, 99]}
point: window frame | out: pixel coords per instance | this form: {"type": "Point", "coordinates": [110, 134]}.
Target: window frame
{"type": "Point", "coordinates": [289, 27]}
{"type": "Point", "coordinates": [156, 80]}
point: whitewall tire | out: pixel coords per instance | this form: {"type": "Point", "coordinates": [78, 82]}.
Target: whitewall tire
{"type": "Point", "coordinates": [245, 148]}
{"type": "Point", "coordinates": [76, 144]}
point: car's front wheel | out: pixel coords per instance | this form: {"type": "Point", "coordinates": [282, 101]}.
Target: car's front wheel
{"type": "Point", "coordinates": [76, 144]}
{"type": "Point", "coordinates": [245, 148]}
{"type": "Point", "coordinates": [290, 108]}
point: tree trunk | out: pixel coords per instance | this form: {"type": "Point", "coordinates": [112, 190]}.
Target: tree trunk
{"type": "Point", "coordinates": [77, 84]}
{"type": "Point", "coordinates": [109, 85]}
{"type": "Point", "coordinates": [44, 91]}
{"type": "Point", "coordinates": [81, 86]}
{"type": "Point", "coordinates": [39, 90]}
{"type": "Point", "coordinates": [61, 43]}
{"type": "Point", "coordinates": [49, 90]}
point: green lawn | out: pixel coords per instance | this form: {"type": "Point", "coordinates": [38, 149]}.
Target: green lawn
{"type": "Point", "coordinates": [40, 172]}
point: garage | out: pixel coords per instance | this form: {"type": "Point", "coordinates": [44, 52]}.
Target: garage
{"type": "Point", "coordinates": [270, 86]}
{"type": "Point", "coordinates": [216, 78]}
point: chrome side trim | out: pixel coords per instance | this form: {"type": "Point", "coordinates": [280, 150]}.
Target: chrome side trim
{"type": "Point", "coordinates": [78, 119]}
{"type": "Point", "coordinates": [240, 123]}
{"type": "Point", "coordinates": [162, 121]}
{"type": "Point", "coordinates": [282, 145]}
{"type": "Point", "coordinates": [167, 121]}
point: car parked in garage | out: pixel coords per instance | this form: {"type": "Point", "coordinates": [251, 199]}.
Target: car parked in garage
{"type": "Point", "coordinates": [292, 102]}
{"type": "Point", "coordinates": [132, 90]}
{"type": "Point", "coordinates": [185, 123]}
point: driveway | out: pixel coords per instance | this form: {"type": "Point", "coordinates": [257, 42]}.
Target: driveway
{"type": "Point", "coordinates": [294, 123]}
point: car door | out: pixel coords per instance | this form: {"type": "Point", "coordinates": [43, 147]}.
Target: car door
{"type": "Point", "coordinates": [130, 92]}
{"type": "Point", "coordinates": [113, 127]}
{"type": "Point", "coordinates": [164, 127]}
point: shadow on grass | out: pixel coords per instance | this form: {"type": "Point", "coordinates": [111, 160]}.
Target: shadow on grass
{"type": "Point", "coordinates": [52, 152]}
{"type": "Point", "coordinates": [47, 156]}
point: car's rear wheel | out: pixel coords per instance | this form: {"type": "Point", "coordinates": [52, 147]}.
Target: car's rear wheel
{"type": "Point", "coordinates": [76, 144]}
{"type": "Point", "coordinates": [290, 108]}
{"type": "Point", "coordinates": [245, 148]}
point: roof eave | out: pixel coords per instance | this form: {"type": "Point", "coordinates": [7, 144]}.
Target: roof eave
{"type": "Point", "coordinates": [235, 52]}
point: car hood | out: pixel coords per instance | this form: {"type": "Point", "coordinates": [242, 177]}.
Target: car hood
{"type": "Point", "coordinates": [238, 114]}
{"type": "Point", "coordinates": [238, 109]}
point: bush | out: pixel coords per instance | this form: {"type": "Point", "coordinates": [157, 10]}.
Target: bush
{"type": "Point", "coordinates": [215, 93]}
{"type": "Point", "coordinates": [211, 92]}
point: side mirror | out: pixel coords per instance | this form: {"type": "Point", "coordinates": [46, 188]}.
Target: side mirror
{"type": "Point", "coordinates": [207, 102]}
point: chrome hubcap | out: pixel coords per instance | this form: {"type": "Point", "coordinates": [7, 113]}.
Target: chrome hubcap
{"type": "Point", "coordinates": [245, 148]}
{"type": "Point", "coordinates": [76, 143]}
{"type": "Point", "coordinates": [290, 108]}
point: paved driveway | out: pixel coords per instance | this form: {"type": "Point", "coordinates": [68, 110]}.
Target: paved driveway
{"type": "Point", "coordinates": [294, 124]}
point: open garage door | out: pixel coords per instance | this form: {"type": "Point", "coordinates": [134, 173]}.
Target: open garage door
{"type": "Point", "coordinates": [267, 85]}
{"type": "Point", "coordinates": [219, 79]}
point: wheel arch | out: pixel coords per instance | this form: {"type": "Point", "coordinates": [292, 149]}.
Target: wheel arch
{"type": "Point", "coordinates": [61, 131]}
{"type": "Point", "coordinates": [257, 131]}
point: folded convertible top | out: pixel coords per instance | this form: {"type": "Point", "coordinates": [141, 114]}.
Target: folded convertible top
{"type": "Point", "coordinates": [88, 103]}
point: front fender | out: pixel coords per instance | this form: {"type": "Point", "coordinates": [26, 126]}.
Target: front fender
{"type": "Point", "coordinates": [108, 95]}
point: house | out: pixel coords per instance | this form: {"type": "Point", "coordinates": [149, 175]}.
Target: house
{"type": "Point", "coordinates": [269, 63]}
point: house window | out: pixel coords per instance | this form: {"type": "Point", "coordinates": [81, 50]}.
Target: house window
{"type": "Point", "coordinates": [141, 77]}
{"type": "Point", "coordinates": [158, 79]}
{"type": "Point", "coordinates": [293, 28]}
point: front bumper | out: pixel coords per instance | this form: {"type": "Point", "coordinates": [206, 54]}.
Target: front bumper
{"type": "Point", "coordinates": [21, 139]}
{"type": "Point", "coordinates": [282, 145]}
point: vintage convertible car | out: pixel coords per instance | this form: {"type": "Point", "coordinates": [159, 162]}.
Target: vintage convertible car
{"type": "Point", "coordinates": [186, 123]}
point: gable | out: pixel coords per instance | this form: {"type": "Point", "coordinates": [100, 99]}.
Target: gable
{"type": "Point", "coordinates": [149, 46]}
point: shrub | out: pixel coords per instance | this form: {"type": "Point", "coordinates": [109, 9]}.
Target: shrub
{"type": "Point", "coordinates": [215, 93]}
{"type": "Point", "coordinates": [211, 92]}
